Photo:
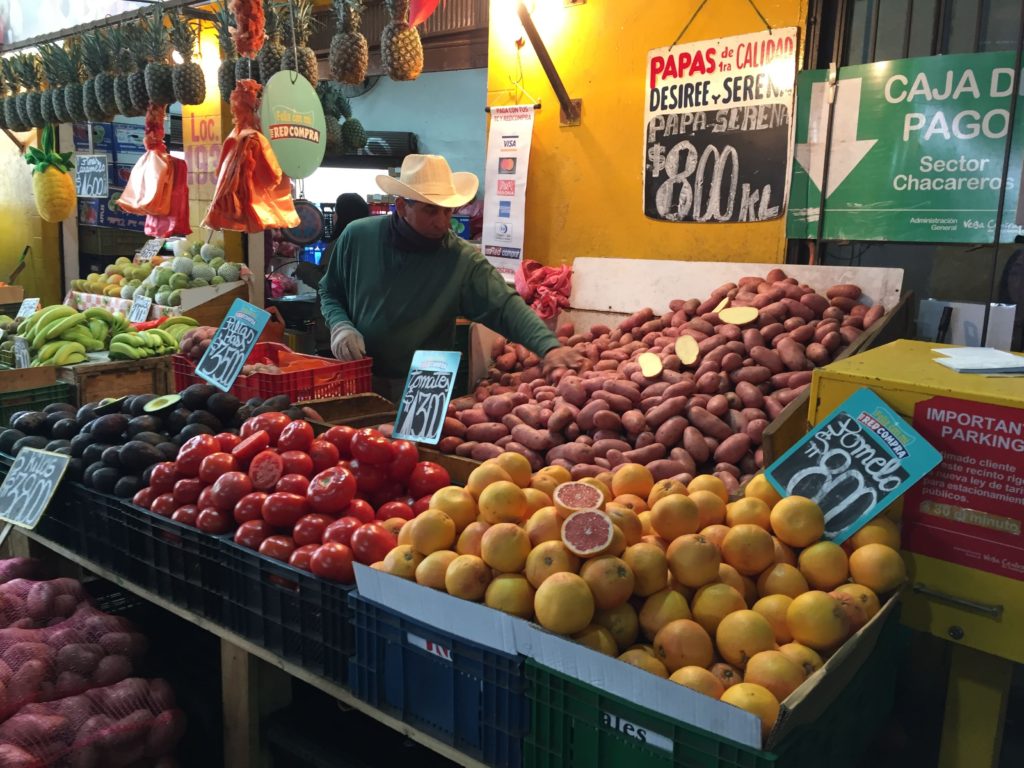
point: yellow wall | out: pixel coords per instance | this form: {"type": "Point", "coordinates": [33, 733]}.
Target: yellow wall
{"type": "Point", "coordinates": [585, 191]}
{"type": "Point", "coordinates": [20, 225]}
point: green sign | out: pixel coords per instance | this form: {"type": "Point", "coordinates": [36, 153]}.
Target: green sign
{"type": "Point", "coordinates": [917, 151]}
{"type": "Point", "coordinates": [293, 120]}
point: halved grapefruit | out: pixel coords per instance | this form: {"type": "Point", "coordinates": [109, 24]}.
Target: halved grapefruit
{"type": "Point", "coordinates": [572, 496]}
{"type": "Point", "coordinates": [587, 532]}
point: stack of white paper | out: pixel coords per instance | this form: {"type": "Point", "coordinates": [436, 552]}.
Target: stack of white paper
{"type": "Point", "coordinates": [980, 360]}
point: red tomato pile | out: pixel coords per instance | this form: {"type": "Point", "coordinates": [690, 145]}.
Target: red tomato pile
{"type": "Point", "coordinates": [317, 503]}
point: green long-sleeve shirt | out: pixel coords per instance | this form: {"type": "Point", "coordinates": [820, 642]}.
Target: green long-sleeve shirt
{"type": "Point", "coordinates": [402, 301]}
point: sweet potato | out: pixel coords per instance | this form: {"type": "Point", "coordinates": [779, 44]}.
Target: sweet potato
{"type": "Point", "coordinates": [485, 451]}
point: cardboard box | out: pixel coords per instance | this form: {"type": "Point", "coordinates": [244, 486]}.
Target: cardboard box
{"type": "Point", "coordinates": [963, 524]}
{"type": "Point", "coordinates": [11, 294]}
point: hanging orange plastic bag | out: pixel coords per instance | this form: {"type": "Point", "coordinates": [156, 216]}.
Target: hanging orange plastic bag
{"type": "Point", "coordinates": [176, 221]}
{"type": "Point", "coordinates": [150, 184]}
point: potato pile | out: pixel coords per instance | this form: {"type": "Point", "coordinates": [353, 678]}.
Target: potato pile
{"type": "Point", "coordinates": [690, 391]}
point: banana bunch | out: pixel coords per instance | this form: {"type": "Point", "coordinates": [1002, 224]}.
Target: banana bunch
{"type": "Point", "coordinates": [136, 345]}
{"type": "Point", "coordinates": [177, 327]}
{"type": "Point", "coordinates": [58, 335]}
{"type": "Point", "coordinates": [103, 324]}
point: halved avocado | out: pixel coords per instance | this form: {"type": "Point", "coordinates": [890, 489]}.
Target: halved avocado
{"type": "Point", "coordinates": [195, 397]}
{"type": "Point", "coordinates": [110, 405]}
{"type": "Point", "coordinates": [160, 404]}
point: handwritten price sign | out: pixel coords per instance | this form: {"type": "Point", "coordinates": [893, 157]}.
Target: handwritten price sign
{"type": "Point", "coordinates": [232, 344]}
{"type": "Point", "coordinates": [425, 399]}
{"type": "Point", "coordinates": [29, 486]}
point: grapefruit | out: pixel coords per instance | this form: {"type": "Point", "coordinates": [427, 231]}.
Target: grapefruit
{"type": "Point", "coordinates": [404, 535]}
{"type": "Point", "coordinates": [729, 575]}
{"type": "Point", "coordinates": [856, 615]}
{"type": "Point", "coordinates": [618, 543]}
{"type": "Point", "coordinates": [781, 579]}
{"type": "Point", "coordinates": [432, 530]}
{"type": "Point", "coordinates": [824, 565]}
{"type": "Point", "coordinates": [597, 638]}
{"type": "Point", "coordinates": [750, 511]}
{"type": "Point", "coordinates": [547, 558]}
{"type": "Point", "coordinates": [716, 534]}
{"type": "Point", "coordinates": [783, 552]}
{"type": "Point", "coordinates": [773, 608]}
{"type": "Point", "coordinates": [545, 482]}
{"type": "Point", "coordinates": [806, 658]}
{"type": "Point", "coordinates": [596, 482]}
{"type": "Point", "coordinates": [457, 503]}
{"type": "Point", "coordinates": [561, 474]}
{"type": "Point", "coordinates": [713, 602]}
{"type": "Point", "coordinates": [776, 672]}
{"type": "Point", "coordinates": [709, 483]}
{"type": "Point", "coordinates": [502, 502]}
{"type": "Point", "coordinates": [626, 520]}
{"type": "Point", "coordinates": [394, 524]}
{"type": "Point", "coordinates": [483, 476]}
{"type": "Point", "coordinates": [645, 661]}
{"type": "Point", "coordinates": [649, 566]}
{"type": "Point", "coordinates": [645, 523]}
{"type": "Point", "coordinates": [693, 560]}
{"type": "Point", "coordinates": [622, 622]}
{"type": "Point", "coordinates": [510, 593]}
{"type": "Point", "coordinates": [610, 580]}
{"type": "Point", "coordinates": [535, 500]}
{"type": "Point", "coordinates": [865, 596]}
{"type": "Point", "coordinates": [564, 604]}
{"type": "Point", "coordinates": [661, 608]}
{"type": "Point", "coordinates": [797, 521]}
{"type": "Point", "coordinates": [878, 567]}
{"type": "Point", "coordinates": [683, 643]}
{"type": "Point", "coordinates": [700, 680]}
{"type": "Point", "coordinates": [710, 506]}
{"type": "Point", "coordinates": [632, 478]}
{"type": "Point", "coordinates": [587, 532]}
{"type": "Point", "coordinates": [517, 466]}
{"type": "Point", "coordinates": [675, 515]}
{"type": "Point", "coordinates": [431, 571]}
{"type": "Point", "coordinates": [749, 590]}
{"type": "Point", "coordinates": [760, 488]}
{"type": "Point", "coordinates": [544, 525]}
{"type": "Point", "coordinates": [572, 497]}
{"type": "Point", "coordinates": [402, 561]}
{"type": "Point", "coordinates": [741, 634]}
{"type": "Point", "coordinates": [469, 539]}
{"type": "Point", "coordinates": [881, 530]}
{"type": "Point", "coordinates": [656, 540]}
{"type": "Point", "coordinates": [504, 547]}
{"type": "Point", "coordinates": [631, 502]}
{"type": "Point", "coordinates": [727, 674]}
{"type": "Point", "coordinates": [467, 577]}
{"type": "Point", "coordinates": [748, 548]}
{"type": "Point", "coordinates": [757, 700]}
{"type": "Point", "coordinates": [664, 488]}
{"type": "Point", "coordinates": [817, 620]}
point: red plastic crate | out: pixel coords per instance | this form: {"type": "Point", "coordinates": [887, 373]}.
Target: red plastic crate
{"type": "Point", "coordinates": [333, 380]}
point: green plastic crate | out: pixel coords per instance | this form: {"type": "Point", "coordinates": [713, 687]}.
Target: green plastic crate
{"type": "Point", "coordinates": [33, 399]}
{"type": "Point", "coordinates": [575, 725]}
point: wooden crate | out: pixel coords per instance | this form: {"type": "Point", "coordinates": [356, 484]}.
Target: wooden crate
{"type": "Point", "coordinates": [213, 311]}
{"type": "Point", "coordinates": [95, 381]}
{"type": "Point", "coordinates": [17, 379]}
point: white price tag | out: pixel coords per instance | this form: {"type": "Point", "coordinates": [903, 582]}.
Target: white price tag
{"type": "Point", "coordinates": [139, 312]}
{"type": "Point", "coordinates": [28, 306]}
{"type": "Point", "coordinates": [151, 249]}
{"type": "Point", "coordinates": [22, 358]}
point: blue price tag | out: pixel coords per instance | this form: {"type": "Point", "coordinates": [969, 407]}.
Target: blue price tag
{"type": "Point", "coordinates": [425, 399]}
{"type": "Point", "coordinates": [232, 344]}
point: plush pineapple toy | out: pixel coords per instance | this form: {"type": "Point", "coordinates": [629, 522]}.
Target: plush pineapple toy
{"type": "Point", "coordinates": [51, 179]}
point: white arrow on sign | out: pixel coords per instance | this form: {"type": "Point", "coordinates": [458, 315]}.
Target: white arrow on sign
{"type": "Point", "coordinates": [847, 150]}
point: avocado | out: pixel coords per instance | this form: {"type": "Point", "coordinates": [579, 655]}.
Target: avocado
{"type": "Point", "coordinates": [112, 456]}
{"type": "Point", "coordinates": [126, 405]}
{"type": "Point", "coordinates": [104, 479]}
{"type": "Point", "coordinates": [127, 486]}
{"type": "Point", "coordinates": [223, 405]}
{"type": "Point", "coordinates": [110, 405]}
{"type": "Point", "coordinates": [57, 445]}
{"type": "Point", "coordinates": [139, 403]}
{"type": "Point", "coordinates": [51, 420]}
{"type": "Point", "coordinates": [277, 402]}
{"type": "Point", "coordinates": [65, 429]}
{"type": "Point", "coordinates": [153, 438]}
{"type": "Point", "coordinates": [192, 430]}
{"type": "Point", "coordinates": [168, 450]}
{"type": "Point", "coordinates": [8, 438]}
{"type": "Point", "coordinates": [207, 418]}
{"type": "Point", "coordinates": [80, 442]}
{"type": "Point", "coordinates": [294, 413]}
{"type": "Point", "coordinates": [177, 420]}
{"type": "Point", "coordinates": [145, 423]}
{"type": "Point", "coordinates": [94, 453]}
{"type": "Point", "coordinates": [241, 415]}
{"type": "Point", "coordinates": [136, 455]}
{"type": "Point", "coordinates": [31, 423]}
{"type": "Point", "coordinates": [146, 474]}
{"type": "Point", "coordinates": [86, 413]}
{"type": "Point", "coordinates": [14, 417]}
{"type": "Point", "coordinates": [254, 402]}
{"type": "Point", "coordinates": [195, 397]}
{"type": "Point", "coordinates": [66, 408]}
{"type": "Point", "coordinates": [109, 428]}
{"type": "Point", "coordinates": [90, 469]}
{"type": "Point", "coordinates": [160, 404]}
{"type": "Point", "coordinates": [65, 451]}
{"type": "Point", "coordinates": [31, 441]}
{"type": "Point", "coordinates": [75, 470]}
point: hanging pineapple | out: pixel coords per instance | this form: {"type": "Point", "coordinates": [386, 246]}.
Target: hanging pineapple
{"type": "Point", "coordinates": [103, 81]}
{"type": "Point", "coordinates": [47, 60]}
{"type": "Point", "coordinates": [61, 64]}
{"type": "Point", "coordinates": [30, 77]}
{"type": "Point", "coordinates": [189, 83]}
{"type": "Point", "coordinates": [11, 115]}
{"type": "Point", "coordinates": [4, 93]}
{"type": "Point", "coordinates": [401, 50]}
{"type": "Point", "coordinates": [298, 26]}
{"type": "Point", "coordinates": [270, 55]}
{"type": "Point", "coordinates": [226, 71]}
{"type": "Point", "coordinates": [137, 79]}
{"type": "Point", "coordinates": [334, 104]}
{"type": "Point", "coordinates": [159, 77]}
{"type": "Point", "coordinates": [94, 53]}
{"type": "Point", "coordinates": [350, 52]}
{"type": "Point", "coordinates": [21, 100]}
{"type": "Point", "coordinates": [73, 90]}
{"type": "Point", "coordinates": [52, 184]}
{"type": "Point", "coordinates": [353, 135]}
{"type": "Point", "coordinates": [126, 37]}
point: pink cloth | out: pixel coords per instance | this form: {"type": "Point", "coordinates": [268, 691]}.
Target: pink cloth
{"type": "Point", "coordinates": [545, 289]}
{"type": "Point", "coordinates": [176, 220]}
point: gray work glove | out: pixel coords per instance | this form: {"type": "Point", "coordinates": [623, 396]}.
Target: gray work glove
{"type": "Point", "coordinates": [346, 342]}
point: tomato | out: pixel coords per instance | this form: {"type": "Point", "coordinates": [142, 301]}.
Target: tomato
{"type": "Point", "coordinates": [186, 515]}
{"type": "Point", "coordinates": [278, 547]}
{"type": "Point", "coordinates": [273, 424]}
{"type": "Point", "coordinates": [215, 465]}
{"type": "Point", "coordinates": [369, 477]}
{"type": "Point", "coordinates": [249, 507]}
{"type": "Point", "coordinates": [422, 504]}
{"type": "Point", "coordinates": [144, 497]}
{"type": "Point", "coordinates": [164, 505]}
{"type": "Point", "coordinates": [192, 454]}
{"type": "Point", "coordinates": [214, 521]}
{"type": "Point", "coordinates": [283, 510]}
{"type": "Point", "coordinates": [394, 509]}
{"type": "Point", "coordinates": [371, 542]}
{"type": "Point", "coordinates": [248, 427]}
{"type": "Point", "coordinates": [428, 477]}
{"type": "Point", "coordinates": [359, 509]}
{"type": "Point", "coordinates": [229, 489]}
{"type": "Point", "coordinates": [265, 470]}
{"type": "Point", "coordinates": [324, 455]}
{"type": "Point", "coordinates": [187, 490]}
{"type": "Point", "coordinates": [205, 498]}
{"type": "Point", "coordinates": [407, 455]}
{"type": "Point", "coordinates": [341, 437]}
{"type": "Point", "coordinates": [228, 441]}
{"type": "Point", "coordinates": [297, 436]}
{"type": "Point", "coordinates": [331, 490]}
{"type": "Point", "coordinates": [251, 533]}
{"type": "Point", "coordinates": [250, 447]}
{"type": "Point", "coordinates": [300, 557]}
{"type": "Point", "coordinates": [333, 561]}
{"type": "Point", "coordinates": [309, 529]}
{"type": "Point", "coordinates": [297, 463]}
{"type": "Point", "coordinates": [341, 530]}
{"type": "Point", "coordinates": [293, 484]}
{"type": "Point", "coordinates": [371, 447]}
{"type": "Point", "coordinates": [162, 478]}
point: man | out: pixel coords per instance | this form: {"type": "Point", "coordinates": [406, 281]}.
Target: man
{"type": "Point", "coordinates": [396, 283]}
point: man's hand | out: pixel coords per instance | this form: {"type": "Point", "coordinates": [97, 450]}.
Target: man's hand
{"type": "Point", "coordinates": [347, 343]}
{"type": "Point", "coordinates": [561, 357]}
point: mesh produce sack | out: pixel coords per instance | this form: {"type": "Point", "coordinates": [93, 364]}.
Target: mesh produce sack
{"type": "Point", "coordinates": [132, 723]}
{"type": "Point", "coordinates": [28, 604]}
{"type": "Point", "coordinates": [21, 568]}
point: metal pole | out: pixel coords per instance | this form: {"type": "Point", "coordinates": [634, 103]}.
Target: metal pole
{"type": "Point", "coordinates": [548, 65]}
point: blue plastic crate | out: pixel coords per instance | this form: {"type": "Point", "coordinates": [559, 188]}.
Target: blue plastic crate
{"type": "Point", "coordinates": [469, 696]}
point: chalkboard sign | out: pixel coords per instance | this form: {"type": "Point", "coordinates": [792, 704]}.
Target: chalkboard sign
{"type": "Point", "coordinates": [151, 248]}
{"type": "Point", "coordinates": [140, 309]}
{"type": "Point", "coordinates": [717, 121]}
{"type": "Point", "coordinates": [231, 344]}
{"type": "Point", "coordinates": [29, 486]}
{"type": "Point", "coordinates": [27, 308]}
{"type": "Point", "coordinates": [424, 402]}
{"type": "Point", "coordinates": [91, 176]}
{"type": "Point", "coordinates": [854, 464]}
{"type": "Point", "coordinates": [22, 357]}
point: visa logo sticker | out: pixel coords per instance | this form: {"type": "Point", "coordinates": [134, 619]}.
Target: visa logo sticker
{"type": "Point", "coordinates": [637, 732]}
{"type": "Point", "coordinates": [430, 647]}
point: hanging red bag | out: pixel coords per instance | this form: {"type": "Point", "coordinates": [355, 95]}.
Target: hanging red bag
{"type": "Point", "coordinates": [149, 186]}
{"type": "Point", "coordinates": [176, 221]}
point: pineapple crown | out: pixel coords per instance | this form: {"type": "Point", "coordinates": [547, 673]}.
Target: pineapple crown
{"type": "Point", "coordinates": [157, 44]}
{"type": "Point", "coordinates": [48, 58]}
{"type": "Point", "coordinates": [272, 19]}
{"type": "Point", "coordinates": [223, 21]}
{"type": "Point", "coordinates": [332, 98]}
{"type": "Point", "coordinates": [94, 51]}
{"type": "Point", "coordinates": [398, 10]}
{"type": "Point", "coordinates": [27, 65]}
{"type": "Point", "coordinates": [44, 156]}
{"type": "Point", "coordinates": [115, 46]}
{"type": "Point", "coordinates": [73, 50]}
{"type": "Point", "coordinates": [11, 74]}
{"type": "Point", "coordinates": [183, 36]}
{"type": "Point", "coordinates": [349, 13]}
{"type": "Point", "coordinates": [298, 17]}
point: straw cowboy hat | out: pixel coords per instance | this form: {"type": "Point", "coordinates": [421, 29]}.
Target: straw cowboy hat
{"type": "Point", "coordinates": [428, 179]}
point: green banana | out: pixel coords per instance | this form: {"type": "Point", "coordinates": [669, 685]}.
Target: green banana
{"type": "Point", "coordinates": [44, 317]}
{"type": "Point", "coordinates": [75, 359]}
{"type": "Point", "coordinates": [49, 350]}
{"type": "Point", "coordinates": [98, 329]}
{"type": "Point", "coordinates": [99, 313]}
{"type": "Point", "coordinates": [58, 327]}
{"type": "Point", "coordinates": [83, 337]}
{"type": "Point", "coordinates": [165, 338]}
{"type": "Point", "coordinates": [131, 339]}
{"type": "Point", "coordinates": [179, 320]}
{"type": "Point", "coordinates": [120, 350]}
{"type": "Point", "coordinates": [70, 348]}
